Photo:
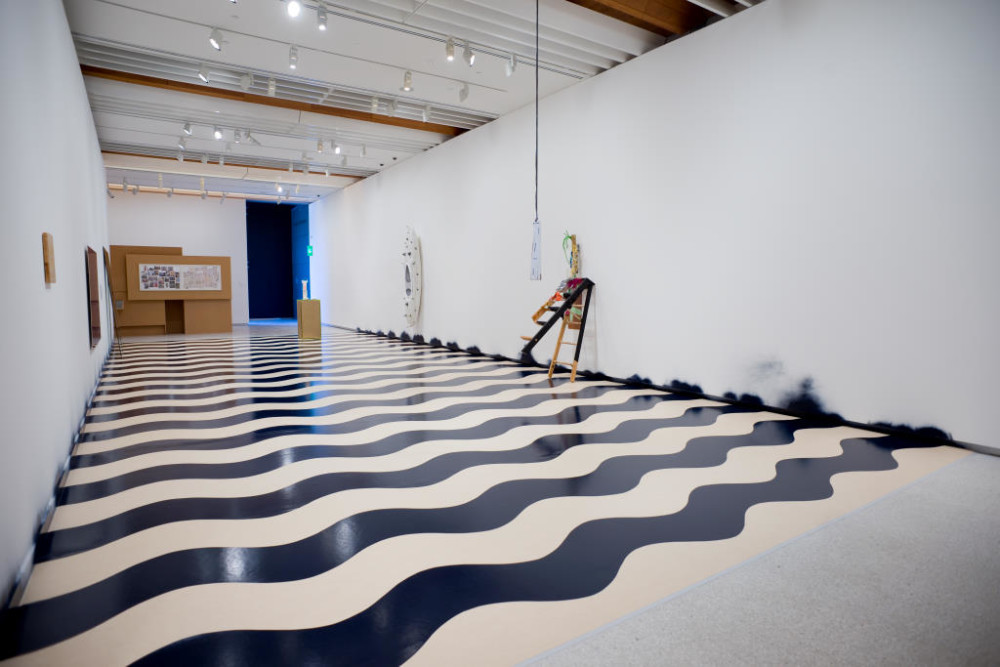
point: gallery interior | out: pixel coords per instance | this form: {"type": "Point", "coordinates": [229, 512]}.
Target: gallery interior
{"type": "Point", "coordinates": [559, 332]}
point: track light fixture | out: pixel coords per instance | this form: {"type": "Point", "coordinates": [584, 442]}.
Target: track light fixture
{"type": "Point", "coordinates": [335, 146]}
{"type": "Point", "coordinates": [426, 113]}
{"type": "Point", "coordinates": [468, 56]}
{"type": "Point", "coordinates": [293, 7]}
{"type": "Point", "coordinates": [222, 160]}
{"type": "Point", "coordinates": [252, 139]}
{"type": "Point", "coordinates": [204, 158]}
{"type": "Point", "coordinates": [181, 143]}
{"type": "Point", "coordinates": [187, 129]}
{"type": "Point", "coordinates": [449, 49]}
{"type": "Point", "coordinates": [135, 190]}
{"type": "Point", "coordinates": [159, 180]}
{"type": "Point", "coordinates": [246, 81]}
{"type": "Point", "coordinates": [215, 39]}
{"type": "Point", "coordinates": [223, 200]}
{"type": "Point", "coordinates": [321, 16]}
{"type": "Point", "coordinates": [204, 194]}
{"type": "Point", "coordinates": [343, 161]}
{"type": "Point", "coordinates": [326, 171]}
{"type": "Point", "coordinates": [203, 74]}
{"type": "Point", "coordinates": [217, 133]}
{"type": "Point", "coordinates": [170, 193]}
{"type": "Point", "coordinates": [511, 64]}
{"type": "Point", "coordinates": [293, 57]}
{"type": "Point", "coordinates": [271, 87]}
{"type": "Point", "coordinates": [407, 81]}
{"type": "Point", "coordinates": [374, 105]}
{"type": "Point", "coordinates": [319, 146]}
{"type": "Point", "coordinates": [364, 150]}
{"type": "Point", "coordinates": [463, 94]}
{"type": "Point", "coordinates": [180, 156]}
{"type": "Point", "coordinates": [291, 168]}
{"type": "Point", "coordinates": [277, 186]}
{"type": "Point", "coordinates": [237, 137]}
{"type": "Point", "coordinates": [392, 107]}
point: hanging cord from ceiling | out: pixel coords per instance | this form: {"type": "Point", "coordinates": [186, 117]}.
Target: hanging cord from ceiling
{"type": "Point", "coordinates": [536, 226]}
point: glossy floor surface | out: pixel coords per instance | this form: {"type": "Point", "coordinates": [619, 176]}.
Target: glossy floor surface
{"type": "Point", "coordinates": [355, 500]}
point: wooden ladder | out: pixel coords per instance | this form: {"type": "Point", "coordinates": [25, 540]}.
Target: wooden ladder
{"type": "Point", "coordinates": [573, 313]}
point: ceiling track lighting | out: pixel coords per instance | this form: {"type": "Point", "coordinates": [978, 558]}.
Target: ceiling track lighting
{"type": "Point", "coordinates": [426, 113]}
{"type": "Point", "coordinates": [364, 150]}
{"type": "Point", "coordinates": [236, 136]}
{"type": "Point", "coordinates": [246, 81]}
{"type": "Point", "coordinates": [335, 146]}
{"type": "Point", "coordinates": [180, 156]}
{"type": "Point", "coordinates": [204, 158]}
{"type": "Point", "coordinates": [293, 57]}
{"type": "Point", "coordinates": [319, 146]}
{"type": "Point", "coordinates": [222, 160]}
{"type": "Point", "coordinates": [326, 171]}
{"type": "Point", "coordinates": [374, 105]}
{"type": "Point", "coordinates": [252, 139]}
{"type": "Point", "coordinates": [407, 82]}
{"type": "Point", "coordinates": [215, 39]}
{"type": "Point", "coordinates": [181, 143]}
{"type": "Point", "coordinates": [392, 107]}
{"type": "Point", "coordinates": [291, 168]}
{"type": "Point", "coordinates": [343, 161]}
{"type": "Point", "coordinates": [203, 74]}
{"type": "Point", "coordinates": [293, 7]}
{"type": "Point", "coordinates": [135, 190]}
{"type": "Point", "coordinates": [277, 186]}
{"type": "Point", "coordinates": [217, 133]}
{"type": "Point", "coordinates": [463, 94]}
{"type": "Point", "coordinates": [223, 200]}
{"type": "Point", "coordinates": [321, 16]}
{"type": "Point", "coordinates": [170, 193]}
{"type": "Point", "coordinates": [511, 64]}
{"type": "Point", "coordinates": [187, 129]}
{"type": "Point", "coordinates": [271, 87]}
{"type": "Point", "coordinates": [468, 56]}
{"type": "Point", "coordinates": [449, 49]}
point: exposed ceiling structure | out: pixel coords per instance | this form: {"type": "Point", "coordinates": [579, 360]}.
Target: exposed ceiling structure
{"type": "Point", "coordinates": [206, 97]}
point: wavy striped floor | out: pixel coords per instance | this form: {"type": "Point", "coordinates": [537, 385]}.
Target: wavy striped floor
{"type": "Point", "coordinates": [355, 500]}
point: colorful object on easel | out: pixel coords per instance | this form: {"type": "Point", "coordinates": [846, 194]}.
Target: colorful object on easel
{"type": "Point", "coordinates": [571, 251]}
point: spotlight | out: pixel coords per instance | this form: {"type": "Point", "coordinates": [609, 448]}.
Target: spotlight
{"type": "Point", "coordinates": [223, 200]}
{"type": "Point", "coordinates": [468, 55]}
{"type": "Point", "coordinates": [449, 49]}
{"type": "Point", "coordinates": [326, 172]}
{"type": "Point", "coordinates": [294, 8]}
{"type": "Point", "coordinates": [364, 150]}
{"type": "Point", "coordinates": [170, 193]}
{"type": "Point", "coordinates": [236, 135]}
{"type": "Point", "coordinates": [252, 139]}
{"type": "Point", "coordinates": [335, 146]}
{"type": "Point", "coordinates": [277, 186]}
{"type": "Point", "coordinates": [291, 168]}
{"type": "Point", "coordinates": [215, 39]}
{"type": "Point", "coordinates": [319, 146]}
{"type": "Point", "coordinates": [463, 94]}
{"type": "Point", "coordinates": [180, 156]}
{"type": "Point", "coordinates": [511, 64]}
{"type": "Point", "coordinates": [374, 105]}
{"type": "Point", "coordinates": [203, 194]}
{"type": "Point", "coordinates": [203, 74]}
{"type": "Point", "coordinates": [392, 107]}
{"type": "Point", "coordinates": [204, 158]}
{"type": "Point", "coordinates": [407, 82]}
{"type": "Point", "coordinates": [293, 57]}
{"type": "Point", "coordinates": [426, 113]}
{"type": "Point", "coordinates": [246, 82]}
{"type": "Point", "coordinates": [181, 143]}
{"type": "Point", "coordinates": [271, 87]}
{"type": "Point", "coordinates": [321, 16]}
{"type": "Point", "coordinates": [296, 188]}
{"type": "Point", "coordinates": [135, 190]}
{"type": "Point", "coordinates": [343, 161]}
{"type": "Point", "coordinates": [222, 160]}
{"type": "Point", "coordinates": [217, 133]}
{"type": "Point", "coordinates": [187, 129]}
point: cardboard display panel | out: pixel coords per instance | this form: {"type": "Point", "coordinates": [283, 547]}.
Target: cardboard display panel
{"type": "Point", "coordinates": [203, 316]}
{"type": "Point", "coordinates": [163, 277]}
{"type": "Point", "coordinates": [136, 318]}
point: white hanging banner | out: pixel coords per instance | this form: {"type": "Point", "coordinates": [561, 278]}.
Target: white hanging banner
{"type": "Point", "coordinates": [536, 250]}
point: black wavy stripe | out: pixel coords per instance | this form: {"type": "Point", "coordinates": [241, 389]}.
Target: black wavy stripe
{"type": "Point", "coordinates": [331, 547]}
{"type": "Point", "coordinates": [393, 629]}
{"type": "Point", "coordinates": [529, 381]}
{"type": "Point", "coordinates": [271, 384]}
{"type": "Point", "coordinates": [162, 377]}
{"type": "Point", "coordinates": [353, 426]}
{"type": "Point", "coordinates": [387, 445]}
{"type": "Point", "coordinates": [59, 543]}
{"type": "Point", "coordinates": [137, 356]}
{"type": "Point", "coordinates": [217, 361]}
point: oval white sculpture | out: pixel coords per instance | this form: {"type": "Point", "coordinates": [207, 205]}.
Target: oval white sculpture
{"type": "Point", "coordinates": [411, 277]}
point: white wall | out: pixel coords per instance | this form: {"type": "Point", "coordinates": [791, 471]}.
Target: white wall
{"type": "Point", "coordinates": [807, 189]}
{"type": "Point", "coordinates": [51, 180]}
{"type": "Point", "coordinates": [200, 226]}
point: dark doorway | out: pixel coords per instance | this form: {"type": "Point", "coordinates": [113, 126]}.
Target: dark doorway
{"type": "Point", "coordinates": [300, 249]}
{"type": "Point", "coordinates": [269, 260]}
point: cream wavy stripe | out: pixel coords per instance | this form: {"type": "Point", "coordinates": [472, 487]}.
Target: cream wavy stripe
{"type": "Point", "coordinates": [76, 571]}
{"type": "Point", "coordinates": [98, 446]}
{"type": "Point", "coordinates": [235, 352]}
{"type": "Point", "coordinates": [98, 509]}
{"type": "Point", "coordinates": [178, 346]}
{"type": "Point", "coordinates": [327, 401]}
{"type": "Point", "coordinates": [181, 368]}
{"type": "Point", "coordinates": [342, 592]}
{"type": "Point", "coordinates": [233, 337]}
{"type": "Point", "coordinates": [472, 366]}
{"type": "Point", "coordinates": [593, 424]}
{"type": "Point", "coordinates": [512, 632]}
{"type": "Point", "coordinates": [318, 384]}
{"type": "Point", "coordinates": [332, 367]}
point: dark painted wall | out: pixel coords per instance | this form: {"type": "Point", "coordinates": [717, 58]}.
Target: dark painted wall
{"type": "Point", "coordinates": [300, 253]}
{"type": "Point", "coordinates": [269, 260]}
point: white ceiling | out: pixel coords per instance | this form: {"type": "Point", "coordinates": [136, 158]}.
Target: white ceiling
{"type": "Point", "coordinates": [355, 68]}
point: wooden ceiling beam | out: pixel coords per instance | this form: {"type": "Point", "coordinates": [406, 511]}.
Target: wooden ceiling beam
{"type": "Point", "coordinates": [240, 96]}
{"type": "Point", "coordinates": [664, 17]}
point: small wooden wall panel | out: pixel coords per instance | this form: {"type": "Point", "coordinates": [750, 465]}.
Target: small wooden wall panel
{"type": "Point", "coordinates": [132, 263]}
{"type": "Point", "coordinates": [203, 316]}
